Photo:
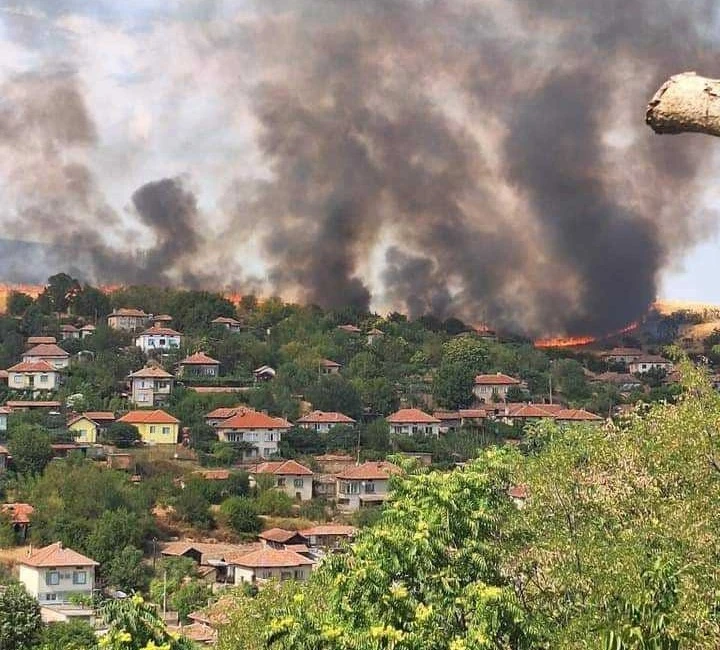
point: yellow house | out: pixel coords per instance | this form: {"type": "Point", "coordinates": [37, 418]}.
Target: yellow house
{"type": "Point", "coordinates": [83, 429]}
{"type": "Point", "coordinates": [155, 427]}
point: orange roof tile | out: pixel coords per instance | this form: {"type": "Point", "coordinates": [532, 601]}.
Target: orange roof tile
{"type": "Point", "coordinates": [329, 363]}
{"type": "Point", "coordinates": [4, 451]}
{"type": "Point", "coordinates": [329, 529]}
{"type": "Point", "coordinates": [56, 555]}
{"type": "Point", "coordinates": [326, 417]}
{"type": "Point", "coordinates": [281, 468]}
{"type": "Point", "coordinates": [151, 372]}
{"type": "Point", "coordinates": [199, 358]}
{"type": "Point", "coordinates": [473, 413]}
{"type": "Point", "coordinates": [213, 474]}
{"type": "Point", "coordinates": [19, 512]}
{"type": "Point", "coordinates": [518, 492]}
{"type": "Point", "coordinates": [149, 417]}
{"type": "Point", "coordinates": [498, 379]}
{"type": "Point", "coordinates": [99, 415]}
{"type": "Point", "coordinates": [49, 350]}
{"type": "Point", "coordinates": [577, 414]}
{"type": "Point", "coordinates": [279, 535]}
{"type": "Point", "coordinates": [404, 416]}
{"type": "Point", "coordinates": [270, 558]}
{"type": "Point", "coordinates": [530, 411]}
{"type": "Point", "coordinates": [249, 419]}
{"type": "Point", "coordinates": [69, 328]}
{"type": "Point", "coordinates": [446, 415]}
{"type": "Point", "coordinates": [223, 412]}
{"type": "Point", "coordinates": [125, 311]}
{"type": "Point", "coordinates": [32, 366]}
{"type": "Point", "coordinates": [352, 329]}
{"type": "Point", "coordinates": [370, 471]}
{"type": "Point", "coordinates": [37, 340]}
{"type": "Point", "coordinates": [162, 317]}
{"type": "Point", "coordinates": [334, 458]}
{"type": "Point", "coordinates": [159, 331]}
{"type": "Point", "coordinates": [225, 320]}
{"type": "Point", "coordinates": [19, 403]}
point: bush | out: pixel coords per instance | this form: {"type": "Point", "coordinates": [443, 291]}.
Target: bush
{"type": "Point", "coordinates": [122, 435]}
{"type": "Point", "coordinates": [274, 502]}
{"type": "Point", "coordinates": [242, 515]}
{"type": "Point", "coordinates": [193, 507]}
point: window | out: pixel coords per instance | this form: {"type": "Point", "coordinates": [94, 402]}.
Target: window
{"type": "Point", "coordinates": [369, 487]}
{"type": "Point", "coordinates": [152, 429]}
{"type": "Point", "coordinates": [415, 429]}
{"type": "Point", "coordinates": [79, 577]}
{"type": "Point", "coordinates": [161, 343]}
{"type": "Point", "coordinates": [268, 451]}
{"type": "Point", "coordinates": [298, 574]}
{"type": "Point", "coordinates": [44, 379]}
{"type": "Point", "coordinates": [52, 578]}
{"type": "Point", "coordinates": [50, 596]}
{"type": "Point", "coordinates": [428, 431]}
{"type": "Point", "coordinates": [18, 379]}
{"type": "Point", "coordinates": [281, 481]}
{"type": "Point", "coordinates": [265, 574]}
{"type": "Point", "coordinates": [81, 433]}
{"type": "Point", "coordinates": [285, 575]}
{"type": "Point", "coordinates": [166, 430]}
{"type": "Point", "coordinates": [298, 482]}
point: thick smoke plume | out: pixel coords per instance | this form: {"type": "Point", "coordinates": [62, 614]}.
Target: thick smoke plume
{"type": "Point", "coordinates": [484, 160]}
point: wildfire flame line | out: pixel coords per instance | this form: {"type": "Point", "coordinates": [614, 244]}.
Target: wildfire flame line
{"type": "Point", "coordinates": [576, 341]}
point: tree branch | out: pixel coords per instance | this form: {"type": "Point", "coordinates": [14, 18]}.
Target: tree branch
{"type": "Point", "coordinates": [686, 103]}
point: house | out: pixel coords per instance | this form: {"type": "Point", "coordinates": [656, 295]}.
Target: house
{"type": "Point", "coordinates": [161, 320]}
{"type": "Point", "coordinates": [412, 422]}
{"type": "Point", "coordinates": [623, 380]}
{"type": "Point", "coordinates": [472, 417]}
{"type": "Point", "coordinates": [349, 329]}
{"type": "Point", "coordinates": [128, 319]}
{"type": "Point", "coordinates": [213, 555]}
{"type": "Point", "coordinates": [221, 414]}
{"type": "Point", "coordinates": [622, 356]}
{"type": "Point", "coordinates": [569, 416]}
{"type": "Point", "coordinates": [83, 429]}
{"type": "Point", "coordinates": [264, 373]}
{"type": "Point", "coordinates": [279, 538]}
{"type": "Point", "coordinates": [39, 340]}
{"type": "Point", "coordinates": [4, 458]}
{"type": "Point", "coordinates": [33, 376]}
{"type": "Point", "coordinates": [102, 418]}
{"type": "Point", "coordinates": [230, 324]}
{"type": "Point", "coordinates": [54, 574]}
{"type": "Point", "coordinates": [49, 352]}
{"type": "Point", "coordinates": [19, 514]}
{"type": "Point", "coordinates": [523, 413]}
{"type": "Point", "coordinates": [158, 338]}
{"type": "Point", "coordinates": [155, 427]}
{"type": "Point", "coordinates": [87, 330]}
{"type": "Point", "coordinates": [325, 486]}
{"type": "Point", "coordinates": [649, 363]}
{"type": "Point", "coordinates": [329, 367]}
{"type": "Point", "coordinates": [262, 431]}
{"type": "Point", "coordinates": [449, 420]}
{"type": "Point", "coordinates": [4, 376]}
{"type": "Point", "coordinates": [199, 365]}
{"type": "Point", "coordinates": [69, 332]}
{"type": "Point", "coordinates": [150, 386]}
{"type": "Point", "coordinates": [291, 477]}
{"type": "Point", "coordinates": [374, 335]}
{"type": "Point", "coordinates": [270, 563]}
{"type": "Point", "coordinates": [334, 463]}
{"type": "Point", "coordinates": [490, 388]}
{"type": "Point", "coordinates": [324, 420]}
{"type": "Point", "coordinates": [364, 485]}
{"type": "Point", "coordinates": [328, 536]}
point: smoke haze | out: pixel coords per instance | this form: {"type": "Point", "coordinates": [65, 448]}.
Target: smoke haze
{"type": "Point", "coordinates": [486, 160]}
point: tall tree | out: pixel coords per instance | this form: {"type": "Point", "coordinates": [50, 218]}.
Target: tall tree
{"type": "Point", "coordinates": [20, 622]}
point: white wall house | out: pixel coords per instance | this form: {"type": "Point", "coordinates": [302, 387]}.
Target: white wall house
{"type": "Point", "coordinates": [49, 352]}
{"type": "Point", "coordinates": [364, 485]}
{"type": "Point", "coordinates": [648, 363]}
{"type": "Point", "coordinates": [262, 431]}
{"type": "Point", "coordinates": [291, 477]}
{"type": "Point", "coordinates": [54, 573]}
{"type": "Point", "coordinates": [269, 563]}
{"type": "Point", "coordinates": [490, 387]}
{"type": "Point", "coordinates": [158, 338]}
{"type": "Point", "coordinates": [413, 422]}
{"type": "Point", "coordinates": [150, 386]}
{"type": "Point", "coordinates": [231, 324]}
{"type": "Point", "coordinates": [323, 421]}
{"type": "Point", "coordinates": [33, 376]}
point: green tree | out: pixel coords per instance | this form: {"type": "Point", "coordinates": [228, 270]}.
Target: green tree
{"type": "Point", "coordinates": [18, 303]}
{"type": "Point", "coordinates": [193, 507]}
{"type": "Point", "coordinates": [453, 384]}
{"type": "Point", "coordinates": [30, 447]}
{"type": "Point", "coordinates": [471, 352]}
{"type": "Point", "coordinates": [73, 635]}
{"type": "Point", "coordinates": [242, 515]}
{"type": "Point", "coordinates": [91, 303]}
{"type": "Point", "coordinates": [126, 570]}
{"type": "Point", "coordinates": [189, 597]}
{"type": "Point", "coordinates": [60, 292]}
{"type": "Point", "coordinates": [20, 622]}
{"type": "Point", "coordinates": [335, 393]}
{"type": "Point", "coordinates": [122, 435]}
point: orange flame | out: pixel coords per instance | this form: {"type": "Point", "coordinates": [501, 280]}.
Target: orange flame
{"type": "Point", "coordinates": [564, 341]}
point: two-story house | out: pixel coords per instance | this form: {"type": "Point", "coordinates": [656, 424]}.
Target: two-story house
{"type": "Point", "coordinates": [150, 386]}
{"type": "Point", "coordinates": [489, 388]}
{"type": "Point", "coordinates": [127, 319]}
{"type": "Point", "coordinates": [231, 324]}
{"type": "Point", "coordinates": [260, 430]}
{"type": "Point", "coordinates": [622, 356]}
{"type": "Point", "coordinates": [329, 367]}
{"type": "Point", "coordinates": [50, 352]}
{"type": "Point", "coordinates": [222, 413]}
{"type": "Point", "coordinates": [155, 427]}
{"type": "Point", "coordinates": [648, 363]}
{"type": "Point", "coordinates": [323, 421]}
{"type": "Point", "coordinates": [158, 338]}
{"type": "Point", "coordinates": [411, 422]}
{"type": "Point", "coordinates": [270, 563]}
{"type": "Point", "coordinates": [364, 485]}
{"type": "Point", "coordinates": [35, 376]}
{"type": "Point", "coordinates": [54, 574]}
{"type": "Point", "coordinates": [199, 365]}
{"type": "Point", "coordinates": [291, 477]}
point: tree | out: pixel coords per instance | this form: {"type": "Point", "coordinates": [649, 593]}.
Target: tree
{"type": "Point", "coordinates": [20, 622]}
{"type": "Point", "coordinates": [241, 514]}
{"type": "Point", "coordinates": [471, 352]}
{"type": "Point", "coordinates": [686, 103]}
{"type": "Point", "coordinates": [18, 303]}
{"type": "Point", "coordinates": [73, 635]}
{"type": "Point", "coordinates": [335, 393]}
{"type": "Point", "coordinates": [515, 394]}
{"type": "Point", "coordinates": [30, 447]}
{"type": "Point", "coordinates": [92, 303]}
{"type": "Point", "coordinates": [193, 507]}
{"type": "Point", "coordinates": [60, 292]}
{"type": "Point", "coordinates": [122, 434]}
{"type": "Point", "coordinates": [126, 570]}
{"type": "Point", "coordinates": [189, 597]}
{"type": "Point", "coordinates": [453, 384]}
{"type": "Point", "coordinates": [274, 502]}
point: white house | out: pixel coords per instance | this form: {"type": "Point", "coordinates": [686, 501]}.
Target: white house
{"type": "Point", "coordinates": [487, 388]}
{"type": "Point", "coordinates": [69, 332]}
{"type": "Point", "coordinates": [329, 367]}
{"type": "Point", "coordinates": [54, 573]}
{"type": "Point", "coordinates": [150, 386]}
{"type": "Point", "coordinates": [49, 352]}
{"type": "Point", "coordinates": [621, 355]}
{"type": "Point", "coordinates": [33, 376]}
{"type": "Point", "coordinates": [262, 431]}
{"type": "Point", "coordinates": [128, 319]}
{"type": "Point", "coordinates": [324, 420]}
{"type": "Point", "coordinates": [158, 338]}
{"type": "Point", "coordinates": [291, 477]}
{"type": "Point", "coordinates": [374, 335]}
{"type": "Point", "coordinates": [413, 422]}
{"type": "Point", "coordinates": [364, 485]}
{"type": "Point", "coordinates": [231, 324]}
{"type": "Point", "coordinates": [269, 563]}
{"type": "Point", "coordinates": [199, 365]}
{"type": "Point", "coordinates": [648, 363]}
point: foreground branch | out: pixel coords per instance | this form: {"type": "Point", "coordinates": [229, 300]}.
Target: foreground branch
{"type": "Point", "coordinates": [686, 103]}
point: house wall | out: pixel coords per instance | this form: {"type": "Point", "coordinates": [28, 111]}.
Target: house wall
{"type": "Point", "coordinates": [35, 581]}
{"type": "Point", "coordinates": [84, 430]}
{"type": "Point", "coordinates": [151, 342]}
{"type": "Point", "coordinates": [127, 322]}
{"type": "Point", "coordinates": [318, 426]}
{"type": "Point", "coordinates": [294, 485]}
{"type": "Point", "coordinates": [36, 381]}
{"type": "Point", "coordinates": [641, 367]}
{"type": "Point", "coordinates": [3, 422]}
{"type": "Point", "coordinates": [349, 492]}
{"type": "Point", "coordinates": [416, 428]}
{"type": "Point", "coordinates": [197, 370]}
{"type": "Point", "coordinates": [264, 442]}
{"type": "Point", "coordinates": [485, 392]}
{"type": "Point", "coordinates": [56, 362]}
{"type": "Point", "coordinates": [158, 434]}
{"type": "Point", "coordinates": [245, 574]}
{"type": "Point", "coordinates": [149, 392]}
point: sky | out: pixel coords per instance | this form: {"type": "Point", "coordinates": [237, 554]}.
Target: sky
{"type": "Point", "coordinates": [170, 89]}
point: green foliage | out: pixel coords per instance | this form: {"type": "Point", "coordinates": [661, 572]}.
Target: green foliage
{"type": "Point", "coordinates": [20, 623]}
{"type": "Point", "coordinates": [189, 597]}
{"type": "Point", "coordinates": [73, 635]}
{"type": "Point", "coordinates": [59, 293]}
{"type": "Point", "coordinates": [192, 505]}
{"type": "Point", "coordinates": [122, 435]}
{"type": "Point", "coordinates": [335, 393]}
{"type": "Point", "coordinates": [453, 384]}
{"type": "Point", "coordinates": [241, 515]}
{"type": "Point", "coordinates": [30, 448]}
{"type": "Point", "coordinates": [274, 502]}
{"type": "Point", "coordinates": [7, 533]}
{"type": "Point", "coordinates": [18, 303]}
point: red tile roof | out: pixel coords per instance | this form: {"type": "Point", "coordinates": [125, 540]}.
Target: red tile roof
{"type": "Point", "coordinates": [4, 451]}
{"type": "Point", "coordinates": [407, 416]}
{"type": "Point", "coordinates": [652, 358]}
{"type": "Point", "coordinates": [530, 411]}
{"type": "Point", "coordinates": [56, 555]}
{"type": "Point", "coordinates": [473, 413]}
{"type": "Point", "coordinates": [125, 311]}
{"type": "Point", "coordinates": [100, 415]}
{"type": "Point", "coordinates": [577, 414]}
{"type": "Point", "coordinates": [200, 359]}
{"type": "Point", "coordinates": [3, 374]}
{"type": "Point", "coordinates": [162, 317]}
{"type": "Point", "coordinates": [370, 471]}
{"type": "Point", "coordinates": [518, 492]}
{"type": "Point", "coordinates": [88, 328]}
{"type": "Point", "coordinates": [329, 363]}
{"type": "Point", "coordinates": [498, 379]}
{"type": "Point", "coordinates": [49, 350]}
{"type": "Point", "coordinates": [622, 352]}
{"type": "Point", "coordinates": [151, 372]}
{"type": "Point", "coordinates": [223, 413]}
{"type": "Point", "coordinates": [225, 320]}
{"type": "Point", "coordinates": [32, 366]}
{"type": "Point", "coordinates": [352, 329]}
{"type": "Point", "coordinates": [37, 340]}
{"type": "Point", "coordinates": [69, 328]}
{"type": "Point", "coordinates": [334, 458]}
{"type": "Point", "coordinates": [326, 417]}
{"type": "Point", "coordinates": [19, 512]}
{"type": "Point", "coordinates": [446, 415]}
{"type": "Point", "coordinates": [279, 535]}
{"type": "Point", "coordinates": [213, 474]}
{"type": "Point", "coordinates": [160, 331]}
{"type": "Point", "coordinates": [149, 417]}
{"type": "Point", "coordinates": [270, 558]}
{"type": "Point", "coordinates": [18, 404]}
{"type": "Point", "coordinates": [329, 529]}
{"type": "Point", "coordinates": [281, 468]}
{"type": "Point", "coordinates": [249, 419]}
